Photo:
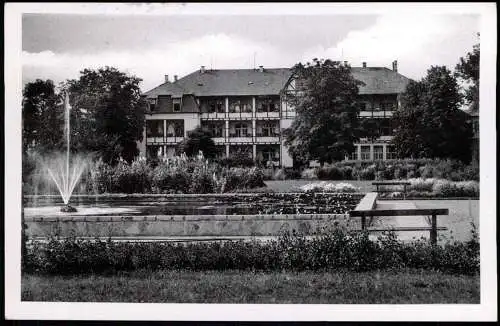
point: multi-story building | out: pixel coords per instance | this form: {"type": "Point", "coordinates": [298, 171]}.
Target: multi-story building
{"type": "Point", "coordinates": [247, 110]}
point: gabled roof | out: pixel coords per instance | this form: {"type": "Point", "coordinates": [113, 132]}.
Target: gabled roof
{"type": "Point", "coordinates": [241, 82]}
{"type": "Point", "coordinates": [379, 80]}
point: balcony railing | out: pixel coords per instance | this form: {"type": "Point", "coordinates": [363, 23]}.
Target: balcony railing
{"type": "Point", "coordinates": [213, 115]}
{"type": "Point", "coordinates": [267, 139]}
{"type": "Point", "coordinates": [272, 114]}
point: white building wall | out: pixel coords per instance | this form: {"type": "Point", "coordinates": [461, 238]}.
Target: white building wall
{"type": "Point", "coordinates": [286, 159]}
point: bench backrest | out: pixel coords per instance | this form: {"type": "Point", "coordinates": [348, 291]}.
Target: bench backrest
{"type": "Point", "coordinates": [400, 212]}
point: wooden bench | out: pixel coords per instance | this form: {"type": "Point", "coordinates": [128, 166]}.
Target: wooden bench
{"type": "Point", "coordinates": [381, 184]}
{"type": "Point", "coordinates": [367, 208]}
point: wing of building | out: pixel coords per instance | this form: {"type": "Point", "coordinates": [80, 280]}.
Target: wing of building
{"type": "Point", "coordinates": [246, 111]}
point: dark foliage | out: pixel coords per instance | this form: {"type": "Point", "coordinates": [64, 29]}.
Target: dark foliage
{"type": "Point", "coordinates": [326, 125]}
{"type": "Point", "coordinates": [429, 123]}
{"type": "Point", "coordinates": [335, 250]}
{"type": "Point", "coordinates": [199, 139]}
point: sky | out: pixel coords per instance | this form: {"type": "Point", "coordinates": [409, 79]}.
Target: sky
{"type": "Point", "coordinates": [58, 46]}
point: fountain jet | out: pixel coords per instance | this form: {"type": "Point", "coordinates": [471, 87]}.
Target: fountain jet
{"type": "Point", "coordinates": [59, 169]}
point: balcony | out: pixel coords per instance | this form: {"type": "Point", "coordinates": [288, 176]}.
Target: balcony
{"type": "Point", "coordinates": [155, 140]}
{"type": "Point", "coordinates": [164, 140]}
{"type": "Point", "coordinates": [267, 115]}
{"type": "Point", "coordinates": [239, 115]}
{"type": "Point", "coordinates": [219, 140]}
{"type": "Point", "coordinates": [213, 115]}
{"type": "Point", "coordinates": [240, 139]}
{"type": "Point", "coordinates": [174, 139]}
{"type": "Point", "coordinates": [267, 139]}
{"type": "Point", "coordinates": [377, 114]}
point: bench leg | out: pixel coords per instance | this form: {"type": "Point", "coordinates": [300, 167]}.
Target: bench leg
{"type": "Point", "coordinates": [433, 235]}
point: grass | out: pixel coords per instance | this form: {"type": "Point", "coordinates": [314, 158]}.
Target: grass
{"type": "Point", "coordinates": [384, 287]}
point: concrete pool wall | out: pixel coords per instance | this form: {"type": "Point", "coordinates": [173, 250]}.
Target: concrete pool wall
{"type": "Point", "coordinates": [180, 225]}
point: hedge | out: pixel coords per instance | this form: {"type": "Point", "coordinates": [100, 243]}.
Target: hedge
{"type": "Point", "coordinates": [332, 250]}
{"type": "Point", "coordinates": [395, 169]}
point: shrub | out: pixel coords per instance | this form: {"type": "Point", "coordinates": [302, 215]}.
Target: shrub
{"type": "Point", "coordinates": [309, 174]}
{"type": "Point", "coordinates": [330, 249]}
{"type": "Point", "coordinates": [368, 173]}
{"type": "Point", "coordinates": [330, 173]}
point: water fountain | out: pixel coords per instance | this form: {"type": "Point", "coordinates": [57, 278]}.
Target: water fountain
{"type": "Point", "coordinates": [59, 167]}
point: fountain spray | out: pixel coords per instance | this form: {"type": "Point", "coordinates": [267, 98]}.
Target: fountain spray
{"type": "Point", "coordinates": [59, 171]}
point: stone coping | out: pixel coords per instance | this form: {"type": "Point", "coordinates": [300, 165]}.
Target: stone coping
{"type": "Point", "coordinates": [183, 218]}
{"type": "Point", "coordinates": [194, 196]}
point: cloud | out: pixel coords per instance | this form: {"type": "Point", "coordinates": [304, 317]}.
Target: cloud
{"type": "Point", "coordinates": [417, 41]}
{"type": "Point", "coordinates": [180, 58]}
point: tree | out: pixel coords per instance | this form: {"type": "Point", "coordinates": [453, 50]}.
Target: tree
{"type": "Point", "coordinates": [468, 70]}
{"type": "Point", "coordinates": [326, 124]}
{"type": "Point", "coordinates": [42, 116]}
{"type": "Point", "coordinates": [199, 139]}
{"type": "Point", "coordinates": [108, 113]}
{"type": "Point", "coordinates": [429, 123]}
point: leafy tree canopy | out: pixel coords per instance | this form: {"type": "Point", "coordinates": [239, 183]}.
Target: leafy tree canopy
{"type": "Point", "coordinates": [468, 69]}
{"type": "Point", "coordinates": [429, 123]}
{"type": "Point", "coordinates": [326, 124]}
{"type": "Point", "coordinates": [199, 139]}
{"type": "Point", "coordinates": [42, 116]}
{"type": "Point", "coordinates": [108, 113]}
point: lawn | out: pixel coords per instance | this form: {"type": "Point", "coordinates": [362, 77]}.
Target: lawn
{"type": "Point", "coordinates": [384, 287]}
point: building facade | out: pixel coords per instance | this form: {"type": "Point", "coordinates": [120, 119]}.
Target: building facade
{"type": "Point", "coordinates": [247, 111]}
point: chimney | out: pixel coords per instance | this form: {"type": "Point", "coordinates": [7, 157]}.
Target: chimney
{"type": "Point", "coordinates": [166, 79]}
{"type": "Point", "coordinates": [175, 78]}
{"type": "Point", "coordinates": [202, 69]}
{"type": "Point", "coordinates": [395, 65]}
{"type": "Point", "coordinates": [261, 68]}
{"type": "Point", "coordinates": [364, 64]}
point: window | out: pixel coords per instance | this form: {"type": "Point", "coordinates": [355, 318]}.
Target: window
{"type": "Point", "coordinates": [217, 130]}
{"type": "Point", "coordinates": [152, 104]}
{"type": "Point", "coordinates": [268, 105]}
{"type": "Point", "coordinates": [268, 155]}
{"type": "Point", "coordinates": [238, 106]}
{"type": "Point", "coordinates": [177, 104]}
{"type": "Point", "coordinates": [365, 153]}
{"type": "Point", "coordinates": [240, 130]}
{"type": "Point", "coordinates": [154, 128]}
{"type": "Point", "coordinates": [354, 155]}
{"type": "Point", "coordinates": [175, 128]}
{"type": "Point", "coordinates": [269, 129]}
{"type": "Point", "coordinates": [240, 151]}
{"type": "Point", "coordinates": [390, 153]}
{"type": "Point", "coordinates": [378, 152]}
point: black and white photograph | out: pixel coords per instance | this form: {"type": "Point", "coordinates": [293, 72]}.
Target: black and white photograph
{"type": "Point", "coordinates": [252, 161]}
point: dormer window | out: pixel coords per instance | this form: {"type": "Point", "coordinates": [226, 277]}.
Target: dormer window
{"type": "Point", "coordinates": [152, 104]}
{"type": "Point", "coordinates": [177, 104]}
